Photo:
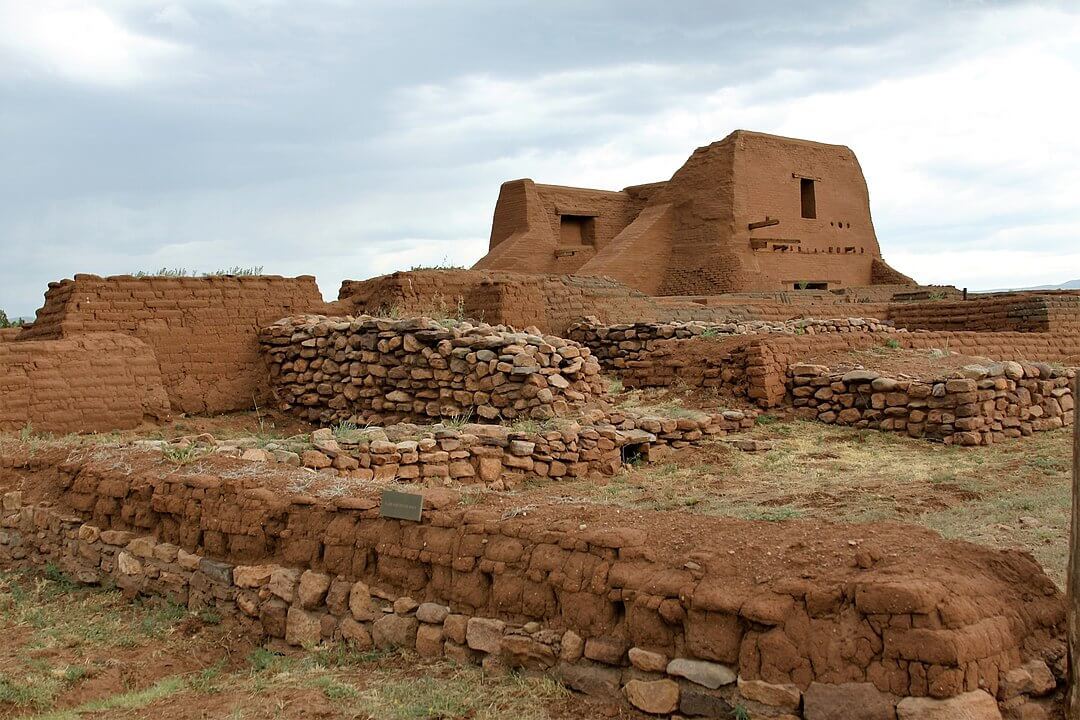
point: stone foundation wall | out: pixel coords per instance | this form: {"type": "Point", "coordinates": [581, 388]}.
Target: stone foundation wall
{"type": "Point", "coordinates": [91, 383]}
{"type": "Point", "coordinates": [908, 622]}
{"type": "Point", "coordinates": [498, 456]}
{"type": "Point", "coordinates": [384, 371]}
{"type": "Point", "coordinates": [985, 405]}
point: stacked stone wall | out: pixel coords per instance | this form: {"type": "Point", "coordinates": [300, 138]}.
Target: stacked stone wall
{"type": "Point", "coordinates": [978, 406]}
{"type": "Point", "coordinates": [734, 618]}
{"type": "Point", "coordinates": [369, 370]}
{"type": "Point", "coordinates": [95, 382]}
{"type": "Point", "coordinates": [202, 330]}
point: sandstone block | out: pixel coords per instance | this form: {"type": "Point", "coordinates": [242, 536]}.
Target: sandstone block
{"type": "Point", "coordinates": [484, 634]}
{"type": "Point", "coordinates": [647, 661]}
{"type": "Point", "coordinates": [977, 705]}
{"type": "Point", "coordinates": [312, 589]}
{"type": "Point", "coordinates": [785, 697]}
{"type": "Point", "coordinates": [356, 634]}
{"type": "Point", "coordinates": [252, 576]}
{"type": "Point", "coordinates": [659, 697]}
{"type": "Point", "coordinates": [302, 628]}
{"type": "Point", "coordinates": [707, 674]}
{"type": "Point", "coordinates": [395, 631]}
{"type": "Point", "coordinates": [854, 701]}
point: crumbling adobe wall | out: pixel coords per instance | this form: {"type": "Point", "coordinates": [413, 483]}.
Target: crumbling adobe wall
{"type": "Point", "coordinates": [990, 404]}
{"type": "Point", "coordinates": [1034, 313]}
{"type": "Point", "coordinates": [8, 334]}
{"type": "Point", "coordinates": [623, 345]}
{"type": "Point", "coordinates": [548, 302]}
{"type": "Point", "coordinates": [701, 612]}
{"type": "Point", "coordinates": [203, 330]}
{"type": "Point", "coordinates": [384, 371]}
{"type": "Point", "coordinates": [89, 383]}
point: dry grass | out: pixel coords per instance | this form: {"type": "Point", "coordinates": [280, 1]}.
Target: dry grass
{"type": "Point", "coordinates": [71, 652]}
{"type": "Point", "coordinates": [1015, 494]}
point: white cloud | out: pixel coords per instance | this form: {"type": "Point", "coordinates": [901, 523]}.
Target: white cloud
{"type": "Point", "coordinates": [80, 42]}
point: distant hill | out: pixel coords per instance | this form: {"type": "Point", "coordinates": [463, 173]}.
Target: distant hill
{"type": "Point", "coordinates": [1071, 285]}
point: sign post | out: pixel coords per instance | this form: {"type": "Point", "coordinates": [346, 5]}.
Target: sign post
{"type": "Point", "coordinates": [1073, 580]}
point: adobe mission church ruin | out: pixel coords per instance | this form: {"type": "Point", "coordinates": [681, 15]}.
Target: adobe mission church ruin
{"type": "Point", "coordinates": [752, 212]}
{"type": "Point", "coordinates": [752, 280]}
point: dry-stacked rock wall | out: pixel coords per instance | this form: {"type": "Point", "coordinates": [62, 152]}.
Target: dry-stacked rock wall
{"type": "Point", "coordinates": [979, 405]}
{"type": "Point", "coordinates": [721, 613]}
{"type": "Point", "coordinates": [95, 382]}
{"type": "Point", "coordinates": [380, 371]}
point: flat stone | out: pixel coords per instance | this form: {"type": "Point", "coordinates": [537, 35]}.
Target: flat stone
{"type": "Point", "coordinates": [976, 705]}
{"type": "Point", "coordinates": [484, 634]}
{"type": "Point", "coordinates": [786, 697]}
{"type": "Point", "coordinates": [432, 613]}
{"type": "Point", "coordinates": [607, 650]}
{"type": "Point", "coordinates": [395, 631]}
{"type": "Point", "coordinates": [589, 679]}
{"type": "Point", "coordinates": [702, 672]}
{"type": "Point", "coordinates": [647, 661]}
{"type": "Point", "coordinates": [703, 703]}
{"type": "Point", "coordinates": [851, 701]}
{"type": "Point", "coordinates": [128, 564]}
{"type": "Point", "coordinates": [252, 576]}
{"type": "Point", "coordinates": [860, 376]}
{"type": "Point", "coordinates": [658, 697]}
{"type": "Point", "coordinates": [1031, 678]}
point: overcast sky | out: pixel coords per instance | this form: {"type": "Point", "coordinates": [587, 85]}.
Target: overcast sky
{"type": "Point", "coordinates": [347, 140]}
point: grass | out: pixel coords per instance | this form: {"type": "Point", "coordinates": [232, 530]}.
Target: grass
{"type": "Point", "coordinates": [167, 272]}
{"type": "Point", "coordinates": [182, 454]}
{"type": "Point", "coordinates": [844, 475]}
{"type": "Point", "coordinates": [63, 640]}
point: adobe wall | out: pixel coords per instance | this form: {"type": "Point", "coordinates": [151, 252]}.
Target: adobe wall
{"type": "Point", "coordinates": [1002, 400]}
{"type": "Point", "coordinates": [89, 383]}
{"type": "Point", "coordinates": [548, 302]}
{"type": "Point", "coordinates": [1034, 313]}
{"type": "Point", "coordinates": [8, 334]}
{"type": "Point", "coordinates": [203, 331]}
{"type": "Point", "coordinates": [672, 612]}
{"type": "Point", "coordinates": [383, 371]}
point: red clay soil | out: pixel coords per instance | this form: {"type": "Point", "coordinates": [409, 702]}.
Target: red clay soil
{"type": "Point", "coordinates": [925, 364]}
{"type": "Point", "coordinates": [743, 552]}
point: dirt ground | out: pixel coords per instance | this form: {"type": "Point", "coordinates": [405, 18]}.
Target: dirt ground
{"type": "Point", "coordinates": [72, 652]}
{"type": "Point", "coordinates": [77, 653]}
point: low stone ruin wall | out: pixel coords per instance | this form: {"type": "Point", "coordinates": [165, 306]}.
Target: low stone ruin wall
{"type": "Point", "coordinates": [980, 406]}
{"type": "Point", "coordinates": [1013, 312]}
{"type": "Point", "coordinates": [624, 345]}
{"type": "Point", "coordinates": [202, 330]}
{"type": "Point", "coordinates": [674, 613]}
{"type": "Point", "coordinates": [376, 371]}
{"type": "Point", "coordinates": [90, 383]}
{"type": "Point", "coordinates": [495, 455]}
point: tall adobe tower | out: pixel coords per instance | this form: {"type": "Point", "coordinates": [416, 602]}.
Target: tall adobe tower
{"type": "Point", "coordinates": [752, 212]}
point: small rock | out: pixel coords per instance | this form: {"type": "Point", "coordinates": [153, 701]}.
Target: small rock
{"type": "Point", "coordinates": [659, 697]}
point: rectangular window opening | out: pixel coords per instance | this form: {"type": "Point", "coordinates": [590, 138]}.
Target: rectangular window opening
{"type": "Point", "coordinates": [811, 286]}
{"type": "Point", "coordinates": [809, 204]}
{"type": "Point", "coordinates": [576, 230]}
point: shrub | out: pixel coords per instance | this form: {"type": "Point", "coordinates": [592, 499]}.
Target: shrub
{"type": "Point", "coordinates": [6, 323]}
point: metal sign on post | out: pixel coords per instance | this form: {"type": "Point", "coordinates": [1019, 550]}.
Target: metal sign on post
{"type": "Point", "coordinates": [401, 505]}
{"type": "Point", "coordinates": [1073, 580]}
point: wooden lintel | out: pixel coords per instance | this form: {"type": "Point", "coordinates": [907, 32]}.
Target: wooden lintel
{"type": "Point", "coordinates": [767, 222]}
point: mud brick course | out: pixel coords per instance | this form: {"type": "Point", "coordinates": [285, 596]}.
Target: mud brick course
{"type": "Point", "coordinates": [369, 370]}
{"type": "Point", "coordinates": [549, 302]}
{"type": "Point", "coordinates": [683, 614]}
{"type": "Point", "coordinates": [978, 405]}
{"type": "Point", "coordinates": [623, 345]}
{"type": "Point", "coordinates": [203, 331]}
{"type": "Point", "coordinates": [95, 382]}
{"type": "Point", "coordinates": [1057, 312]}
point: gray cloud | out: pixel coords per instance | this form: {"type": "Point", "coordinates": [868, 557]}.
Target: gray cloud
{"type": "Point", "coordinates": [350, 139]}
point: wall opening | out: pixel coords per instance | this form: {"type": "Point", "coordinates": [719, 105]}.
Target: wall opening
{"type": "Point", "coordinates": [809, 203]}
{"type": "Point", "coordinates": [577, 230]}
{"type": "Point", "coordinates": [804, 285]}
